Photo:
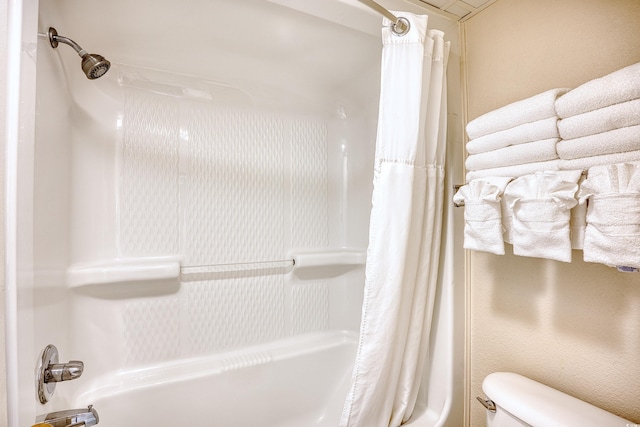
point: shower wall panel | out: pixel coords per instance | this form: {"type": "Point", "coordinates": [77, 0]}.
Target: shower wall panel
{"type": "Point", "coordinates": [148, 190]}
{"type": "Point", "coordinates": [233, 189]}
{"type": "Point", "coordinates": [220, 185]}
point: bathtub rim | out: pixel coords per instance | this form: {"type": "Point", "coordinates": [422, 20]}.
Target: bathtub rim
{"type": "Point", "coordinates": [120, 382]}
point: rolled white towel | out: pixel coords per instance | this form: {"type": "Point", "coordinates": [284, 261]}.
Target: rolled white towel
{"type": "Point", "coordinates": [537, 107]}
{"type": "Point", "coordinates": [620, 86]}
{"type": "Point", "coordinates": [613, 141]}
{"type": "Point", "coordinates": [482, 214]}
{"type": "Point", "coordinates": [538, 151]}
{"type": "Point", "coordinates": [602, 120]}
{"type": "Point", "coordinates": [585, 163]}
{"type": "Point", "coordinates": [516, 170]}
{"type": "Point", "coordinates": [528, 132]}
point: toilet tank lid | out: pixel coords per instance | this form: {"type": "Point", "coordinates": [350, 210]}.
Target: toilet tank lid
{"type": "Point", "coordinates": [540, 405]}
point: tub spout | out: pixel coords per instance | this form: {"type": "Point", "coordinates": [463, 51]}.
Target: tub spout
{"type": "Point", "coordinates": [72, 418]}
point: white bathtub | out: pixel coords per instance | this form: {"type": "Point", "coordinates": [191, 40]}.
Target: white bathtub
{"type": "Point", "coordinates": [294, 382]}
{"type": "Point", "coordinates": [159, 210]}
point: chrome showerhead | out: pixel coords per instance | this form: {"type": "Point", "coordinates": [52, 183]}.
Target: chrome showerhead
{"type": "Point", "coordinates": [93, 65]}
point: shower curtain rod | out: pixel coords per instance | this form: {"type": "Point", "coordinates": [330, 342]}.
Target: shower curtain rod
{"type": "Point", "coordinates": [400, 25]}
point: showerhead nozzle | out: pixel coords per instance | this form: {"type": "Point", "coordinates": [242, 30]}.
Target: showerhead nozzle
{"type": "Point", "coordinates": [93, 65]}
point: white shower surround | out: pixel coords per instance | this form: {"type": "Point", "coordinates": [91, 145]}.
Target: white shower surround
{"type": "Point", "coordinates": [134, 174]}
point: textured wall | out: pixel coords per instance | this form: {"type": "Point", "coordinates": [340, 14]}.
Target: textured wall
{"type": "Point", "coordinates": [224, 188]}
{"type": "Point", "coordinates": [575, 327]}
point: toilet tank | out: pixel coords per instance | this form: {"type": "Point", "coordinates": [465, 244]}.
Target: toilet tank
{"type": "Point", "coordinates": [522, 402]}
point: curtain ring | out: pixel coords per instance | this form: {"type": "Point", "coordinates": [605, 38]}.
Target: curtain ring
{"type": "Point", "coordinates": [401, 27]}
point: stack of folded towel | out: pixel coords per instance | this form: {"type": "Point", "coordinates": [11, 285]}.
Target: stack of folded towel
{"type": "Point", "coordinates": [600, 121]}
{"type": "Point", "coordinates": [527, 160]}
{"type": "Point", "coordinates": [515, 140]}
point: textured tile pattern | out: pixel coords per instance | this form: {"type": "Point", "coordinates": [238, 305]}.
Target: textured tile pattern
{"type": "Point", "coordinates": [226, 314]}
{"type": "Point", "coordinates": [151, 329]}
{"type": "Point", "coordinates": [149, 176]}
{"type": "Point", "coordinates": [310, 307]}
{"type": "Point", "coordinates": [309, 227]}
{"type": "Point", "coordinates": [223, 187]}
{"type": "Point", "coordinates": [234, 187]}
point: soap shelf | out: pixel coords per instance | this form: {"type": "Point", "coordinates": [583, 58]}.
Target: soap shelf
{"type": "Point", "coordinates": [124, 270]}
{"type": "Point", "coordinates": [341, 257]}
{"type": "Point", "coordinates": [145, 269]}
{"type": "Point", "coordinates": [327, 263]}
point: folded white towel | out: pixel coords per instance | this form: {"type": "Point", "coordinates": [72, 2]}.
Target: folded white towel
{"type": "Point", "coordinates": [538, 151]}
{"type": "Point", "coordinates": [613, 141]}
{"type": "Point", "coordinates": [507, 221]}
{"type": "Point", "coordinates": [585, 163]}
{"type": "Point", "coordinates": [537, 107]}
{"type": "Point", "coordinates": [528, 132]}
{"type": "Point", "coordinates": [550, 239]}
{"type": "Point", "coordinates": [619, 178]}
{"type": "Point", "coordinates": [577, 225]}
{"type": "Point", "coordinates": [482, 214]}
{"type": "Point", "coordinates": [516, 170]}
{"type": "Point", "coordinates": [578, 221]}
{"type": "Point", "coordinates": [619, 86]}
{"type": "Point", "coordinates": [612, 235]}
{"type": "Point", "coordinates": [541, 205]}
{"type": "Point", "coordinates": [602, 120]}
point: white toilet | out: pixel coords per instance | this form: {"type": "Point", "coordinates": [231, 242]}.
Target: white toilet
{"type": "Point", "coordinates": [520, 401]}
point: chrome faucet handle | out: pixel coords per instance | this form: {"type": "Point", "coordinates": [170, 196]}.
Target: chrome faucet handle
{"type": "Point", "coordinates": [84, 417]}
{"type": "Point", "coordinates": [63, 371]}
{"type": "Point", "coordinates": [49, 372]}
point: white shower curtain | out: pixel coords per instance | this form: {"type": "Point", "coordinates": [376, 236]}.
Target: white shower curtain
{"type": "Point", "coordinates": [405, 229]}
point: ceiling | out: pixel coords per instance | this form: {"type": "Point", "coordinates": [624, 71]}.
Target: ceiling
{"type": "Point", "coordinates": [460, 8]}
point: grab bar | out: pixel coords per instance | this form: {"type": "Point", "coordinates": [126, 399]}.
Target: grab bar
{"type": "Point", "coordinates": [400, 25]}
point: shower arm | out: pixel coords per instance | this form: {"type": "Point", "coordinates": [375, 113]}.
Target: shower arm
{"type": "Point", "coordinates": [54, 39]}
{"type": "Point", "coordinates": [400, 25]}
